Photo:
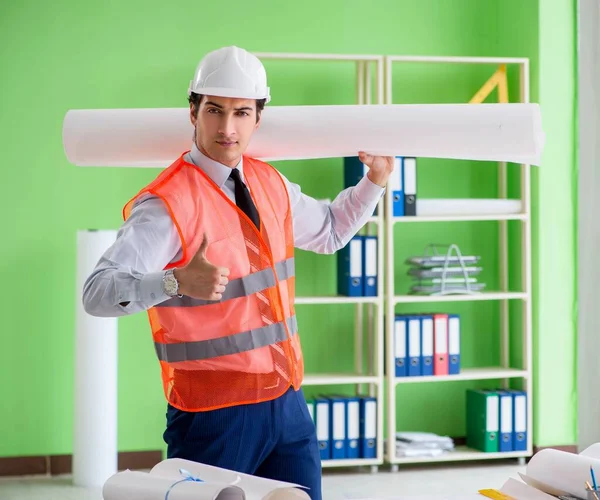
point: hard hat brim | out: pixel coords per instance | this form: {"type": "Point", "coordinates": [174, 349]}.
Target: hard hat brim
{"type": "Point", "coordinates": [227, 92]}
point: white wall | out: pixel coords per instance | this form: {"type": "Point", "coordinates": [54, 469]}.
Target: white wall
{"type": "Point", "coordinates": [589, 224]}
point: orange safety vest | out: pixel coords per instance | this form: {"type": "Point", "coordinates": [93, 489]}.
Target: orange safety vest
{"type": "Point", "coordinates": [244, 348]}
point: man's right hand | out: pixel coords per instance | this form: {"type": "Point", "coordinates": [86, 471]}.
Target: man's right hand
{"type": "Point", "coordinates": [200, 279]}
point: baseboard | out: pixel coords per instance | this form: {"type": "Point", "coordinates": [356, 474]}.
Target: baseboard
{"type": "Point", "coordinates": [62, 464]}
{"type": "Point", "coordinates": [135, 460]}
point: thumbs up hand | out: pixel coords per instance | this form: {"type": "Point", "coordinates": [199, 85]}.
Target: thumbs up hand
{"type": "Point", "coordinates": [200, 279]}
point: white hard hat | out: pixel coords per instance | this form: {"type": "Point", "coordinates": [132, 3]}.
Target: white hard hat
{"type": "Point", "coordinates": [231, 72]}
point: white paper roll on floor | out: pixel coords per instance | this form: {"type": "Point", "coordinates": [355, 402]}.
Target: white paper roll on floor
{"type": "Point", "coordinates": [95, 419]}
{"type": "Point", "coordinates": [156, 137]}
{"type": "Point", "coordinates": [254, 486]}
{"type": "Point", "coordinates": [135, 485]}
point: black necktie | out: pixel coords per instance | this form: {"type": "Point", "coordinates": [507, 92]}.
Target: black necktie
{"type": "Point", "coordinates": [243, 199]}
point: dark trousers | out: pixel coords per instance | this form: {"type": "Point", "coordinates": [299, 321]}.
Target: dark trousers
{"type": "Point", "coordinates": [275, 439]}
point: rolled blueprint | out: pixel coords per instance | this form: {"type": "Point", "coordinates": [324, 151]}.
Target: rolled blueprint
{"type": "Point", "coordinates": [180, 479]}
{"type": "Point", "coordinates": [516, 489]}
{"type": "Point", "coordinates": [156, 137]}
{"type": "Point", "coordinates": [254, 487]}
{"type": "Point", "coordinates": [592, 451]}
{"type": "Point", "coordinates": [95, 419]}
{"type": "Point", "coordinates": [562, 471]}
{"type": "Point", "coordinates": [134, 485]}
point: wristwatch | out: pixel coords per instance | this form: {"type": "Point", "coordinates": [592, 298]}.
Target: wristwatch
{"type": "Point", "coordinates": [170, 284]}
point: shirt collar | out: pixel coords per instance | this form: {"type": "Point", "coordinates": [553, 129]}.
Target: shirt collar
{"type": "Point", "coordinates": [218, 172]}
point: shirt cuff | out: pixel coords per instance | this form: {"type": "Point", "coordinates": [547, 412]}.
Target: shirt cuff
{"type": "Point", "coordinates": [367, 191]}
{"type": "Point", "coordinates": [151, 288]}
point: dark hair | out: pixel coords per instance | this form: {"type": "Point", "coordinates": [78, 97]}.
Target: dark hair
{"type": "Point", "coordinates": [195, 100]}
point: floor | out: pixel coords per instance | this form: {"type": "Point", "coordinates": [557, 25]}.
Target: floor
{"type": "Point", "coordinates": [442, 482]}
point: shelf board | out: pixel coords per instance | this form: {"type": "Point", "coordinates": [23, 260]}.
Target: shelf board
{"type": "Point", "coordinates": [338, 378]}
{"type": "Point", "coordinates": [459, 59]}
{"type": "Point", "coordinates": [461, 453]}
{"type": "Point", "coordinates": [404, 299]}
{"type": "Point", "coordinates": [317, 57]}
{"type": "Point", "coordinates": [491, 373]}
{"type": "Point", "coordinates": [351, 462]}
{"type": "Point", "coordinates": [459, 218]}
{"type": "Point", "coordinates": [374, 220]}
{"type": "Point", "coordinates": [337, 300]}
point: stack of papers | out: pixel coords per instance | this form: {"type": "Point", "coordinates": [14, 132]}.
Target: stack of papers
{"type": "Point", "coordinates": [440, 274]}
{"type": "Point", "coordinates": [422, 444]}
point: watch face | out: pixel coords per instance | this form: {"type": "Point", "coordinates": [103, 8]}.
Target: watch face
{"type": "Point", "coordinates": [170, 285]}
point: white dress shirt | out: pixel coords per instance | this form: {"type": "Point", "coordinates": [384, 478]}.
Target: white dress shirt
{"type": "Point", "coordinates": [128, 277]}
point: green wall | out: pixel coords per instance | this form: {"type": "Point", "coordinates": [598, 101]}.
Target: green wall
{"type": "Point", "coordinates": [65, 54]}
{"type": "Point", "coordinates": [546, 34]}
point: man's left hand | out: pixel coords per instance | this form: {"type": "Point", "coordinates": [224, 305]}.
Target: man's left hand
{"type": "Point", "coordinates": [380, 167]}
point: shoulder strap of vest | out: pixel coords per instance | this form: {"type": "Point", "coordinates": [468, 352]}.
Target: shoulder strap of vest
{"type": "Point", "coordinates": [256, 163]}
{"type": "Point", "coordinates": [161, 179]}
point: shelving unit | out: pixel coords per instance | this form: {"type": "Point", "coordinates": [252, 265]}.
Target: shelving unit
{"type": "Point", "coordinates": [369, 70]}
{"type": "Point", "coordinates": [384, 387]}
{"type": "Point", "coordinates": [393, 299]}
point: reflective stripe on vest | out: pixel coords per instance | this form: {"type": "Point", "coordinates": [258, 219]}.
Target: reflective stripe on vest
{"type": "Point", "coordinates": [240, 287]}
{"type": "Point", "coordinates": [232, 344]}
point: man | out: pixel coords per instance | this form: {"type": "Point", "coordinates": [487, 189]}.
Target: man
{"type": "Point", "coordinates": [207, 249]}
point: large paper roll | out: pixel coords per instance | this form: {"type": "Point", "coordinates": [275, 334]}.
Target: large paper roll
{"type": "Point", "coordinates": [255, 487]}
{"type": "Point", "coordinates": [95, 422]}
{"type": "Point", "coordinates": [156, 137]}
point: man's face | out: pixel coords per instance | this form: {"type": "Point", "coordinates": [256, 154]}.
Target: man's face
{"type": "Point", "coordinates": [224, 126]}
